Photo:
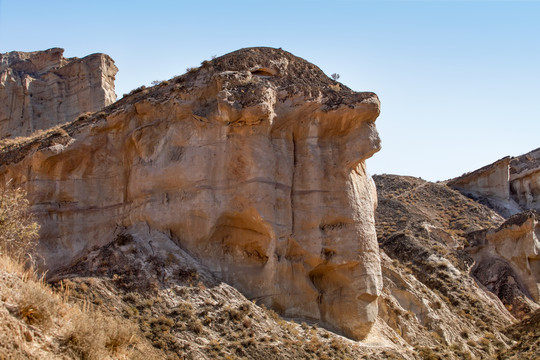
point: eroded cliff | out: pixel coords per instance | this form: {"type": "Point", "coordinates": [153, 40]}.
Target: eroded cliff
{"type": "Point", "coordinates": [42, 89]}
{"type": "Point", "coordinates": [507, 261]}
{"type": "Point", "coordinates": [253, 164]}
{"type": "Point", "coordinates": [509, 185]}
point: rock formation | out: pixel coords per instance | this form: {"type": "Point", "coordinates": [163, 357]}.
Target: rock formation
{"type": "Point", "coordinates": [509, 185]}
{"type": "Point", "coordinates": [491, 180]}
{"type": "Point", "coordinates": [254, 164]}
{"type": "Point", "coordinates": [507, 261]}
{"type": "Point", "coordinates": [250, 170]}
{"type": "Point", "coordinates": [39, 90]}
{"type": "Point", "coordinates": [525, 180]}
{"type": "Point", "coordinates": [454, 271]}
{"type": "Point", "coordinates": [507, 257]}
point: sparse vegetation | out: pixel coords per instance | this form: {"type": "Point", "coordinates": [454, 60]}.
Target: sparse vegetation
{"type": "Point", "coordinates": [48, 320]}
{"type": "Point", "coordinates": [79, 315]}
{"type": "Point", "coordinates": [159, 82]}
{"type": "Point", "coordinates": [18, 231]}
{"type": "Point", "coordinates": [57, 131]}
{"type": "Point", "coordinates": [422, 227]}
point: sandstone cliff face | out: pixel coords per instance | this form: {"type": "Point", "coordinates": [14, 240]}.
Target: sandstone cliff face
{"type": "Point", "coordinates": [507, 261]}
{"type": "Point", "coordinates": [491, 180]}
{"type": "Point", "coordinates": [39, 90]}
{"type": "Point", "coordinates": [253, 164]}
{"type": "Point", "coordinates": [525, 180]}
{"type": "Point", "coordinates": [509, 186]}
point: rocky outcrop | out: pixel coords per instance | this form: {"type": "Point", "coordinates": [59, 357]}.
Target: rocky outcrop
{"type": "Point", "coordinates": [42, 89]}
{"type": "Point", "coordinates": [507, 261]}
{"type": "Point", "coordinates": [253, 164]}
{"type": "Point", "coordinates": [509, 185]}
{"type": "Point", "coordinates": [491, 180]}
{"type": "Point", "coordinates": [525, 180]}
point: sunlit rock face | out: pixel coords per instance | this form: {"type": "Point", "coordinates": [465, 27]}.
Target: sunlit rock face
{"type": "Point", "coordinates": [525, 180]}
{"type": "Point", "coordinates": [509, 185]}
{"type": "Point", "coordinates": [508, 260]}
{"type": "Point", "coordinates": [42, 89]}
{"type": "Point", "coordinates": [253, 164]}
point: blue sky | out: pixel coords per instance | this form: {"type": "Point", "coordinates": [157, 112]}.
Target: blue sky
{"type": "Point", "coordinates": [459, 81]}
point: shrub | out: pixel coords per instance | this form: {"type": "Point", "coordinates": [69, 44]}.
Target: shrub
{"type": "Point", "coordinates": [18, 231]}
{"type": "Point", "coordinates": [36, 306]}
{"type": "Point", "coordinates": [92, 335]}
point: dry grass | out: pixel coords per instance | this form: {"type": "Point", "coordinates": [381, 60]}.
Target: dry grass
{"type": "Point", "coordinates": [92, 335]}
{"type": "Point", "coordinates": [47, 324]}
{"type": "Point", "coordinates": [35, 304]}
{"type": "Point", "coordinates": [38, 134]}
{"type": "Point", "coordinates": [78, 331]}
{"type": "Point", "coordinates": [18, 231]}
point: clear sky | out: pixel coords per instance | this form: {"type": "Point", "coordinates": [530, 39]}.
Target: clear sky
{"type": "Point", "coordinates": [459, 81]}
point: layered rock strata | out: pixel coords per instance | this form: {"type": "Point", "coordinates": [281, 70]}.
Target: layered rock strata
{"type": "Point", "coordinates": [42, 89]}
{"type": "Point", "coordinates": [254, 164]}
{"type": "Point", "coordinates": [490, 181]}
{"type": "Point", "coordinates": [525, 180]}
{"type": "Point", "coordinates": [509, 185]}
{"type": "Point", "coordinates": [507, 261]}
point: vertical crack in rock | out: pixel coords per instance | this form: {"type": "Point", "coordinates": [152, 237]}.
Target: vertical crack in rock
{"type": "Point", "coordinates": [291, 193]}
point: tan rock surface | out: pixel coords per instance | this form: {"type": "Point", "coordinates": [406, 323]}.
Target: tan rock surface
{"type": "Point", "coordinates": [509, 185]}
{"type": "Point", "coordinates": [253, 164]}
{"type": "Point", "coordinates": [39, 90]}
{"type": "Point", "coordinates": [490, 181]}
{"type": "Point", "coordinates": [525, 180]}
{"type": "Point", "coordinates": [514, 248]}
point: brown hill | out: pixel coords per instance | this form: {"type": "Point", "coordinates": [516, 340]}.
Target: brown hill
{"type": "Point", "coordinates": [427, 229]}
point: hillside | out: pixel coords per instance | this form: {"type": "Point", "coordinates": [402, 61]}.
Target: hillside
{"type": "Point", "coordinates": [101, 316]}
{"type": "Point", "coordinates": [430, 308]}
{"type": "Point", "coordinates": [424, 233]}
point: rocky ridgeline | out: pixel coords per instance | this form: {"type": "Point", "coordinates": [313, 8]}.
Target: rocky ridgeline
{"type": "Point", "coordinates": [42, 89]}
{"type": "Point", "coordinates": [509, 185]}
